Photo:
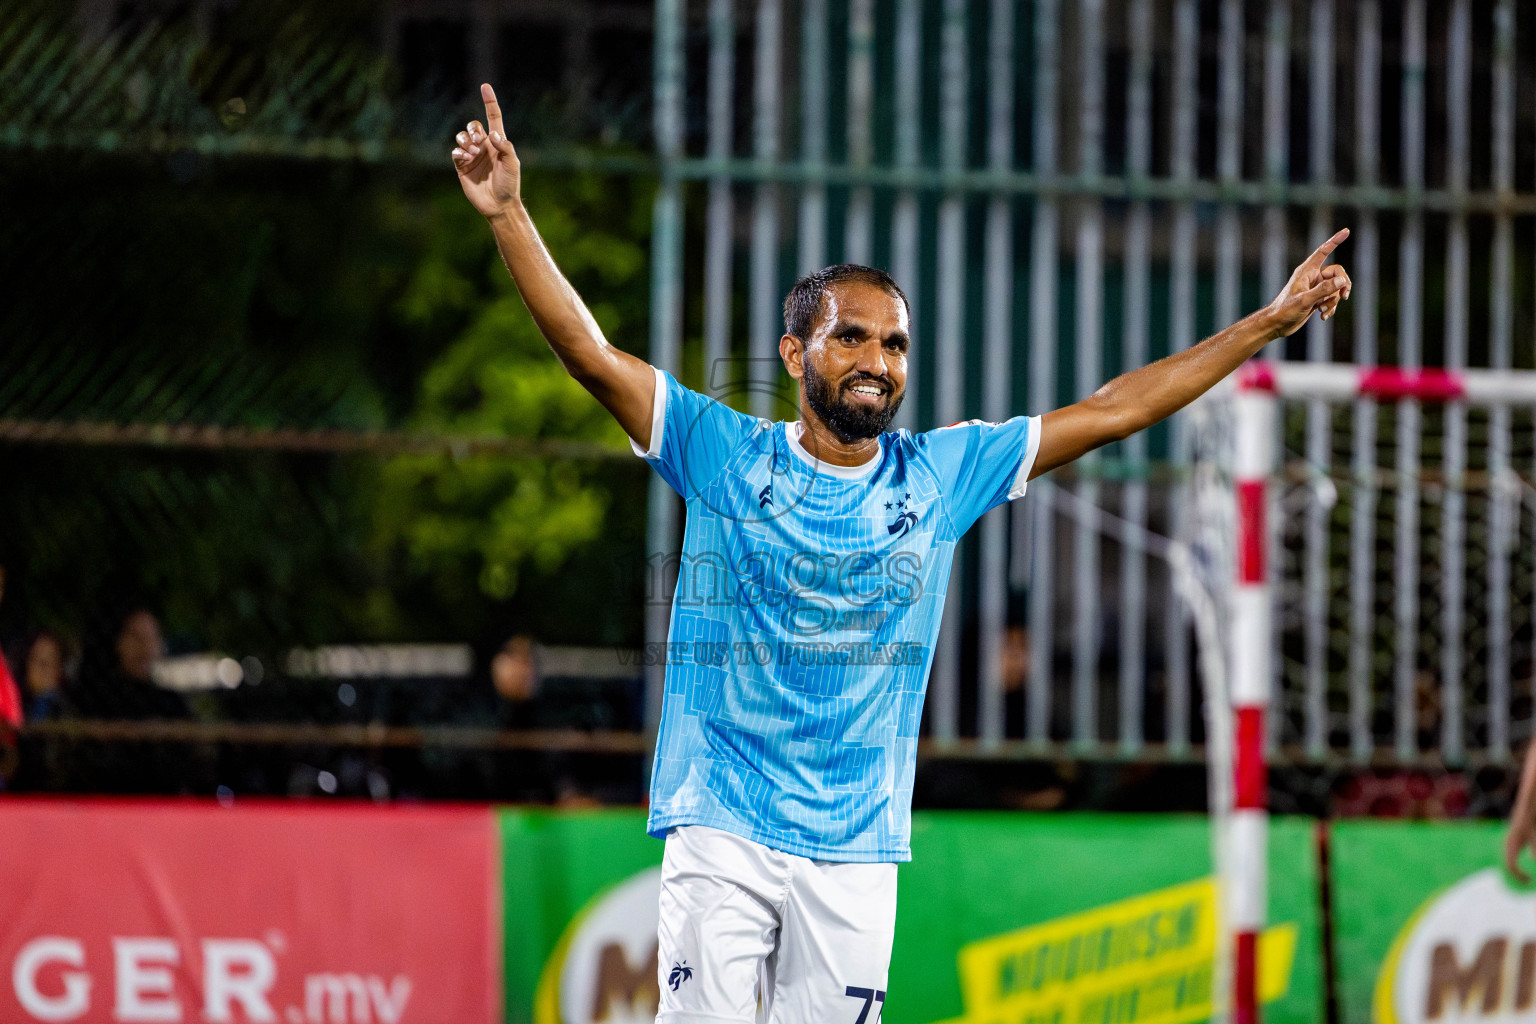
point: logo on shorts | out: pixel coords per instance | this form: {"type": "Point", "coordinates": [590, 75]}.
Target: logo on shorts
{"type": "Point", "coordinates": [681, 972]}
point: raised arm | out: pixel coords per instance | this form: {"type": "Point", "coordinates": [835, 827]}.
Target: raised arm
{"type": "Point", "coordinates": [1136, 400]}
{"type": "Point", "coordinates": [491, 176]}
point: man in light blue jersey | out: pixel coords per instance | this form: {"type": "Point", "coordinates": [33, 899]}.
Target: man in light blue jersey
{"type": "Point", "coordinates": [814, 566]}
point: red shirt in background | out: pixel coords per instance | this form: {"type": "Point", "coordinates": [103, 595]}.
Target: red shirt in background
{"type": "Point", "coordinates": [10, 696]}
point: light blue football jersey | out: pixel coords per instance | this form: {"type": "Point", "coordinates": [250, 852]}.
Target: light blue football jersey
{"type": "Point", "coordinates": [807, 605]}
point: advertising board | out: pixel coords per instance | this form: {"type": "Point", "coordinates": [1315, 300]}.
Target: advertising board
{"type": "Point", "coordinates": [277, 913]}
{"type": "Point", "coordinates": [1428, 927]}
{"type": "Point", "coordinates": [1003, 917]}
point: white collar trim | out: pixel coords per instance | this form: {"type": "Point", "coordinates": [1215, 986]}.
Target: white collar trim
{"type": "Point", "coordinates": [794, 430]}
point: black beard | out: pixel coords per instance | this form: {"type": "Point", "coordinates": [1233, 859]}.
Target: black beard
{"type": "Point", "coordinates": [848, 421]}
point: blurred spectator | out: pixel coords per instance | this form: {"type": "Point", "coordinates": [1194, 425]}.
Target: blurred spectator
{"type": "Point", "coordinates": [117, 680]}
{"type": "Point", "coordinates": [10, 696]}
{"type": "Point", "coordinates": [515, 678]}
{"type": "Point", "coordinates": [43, 678]}
{"type": "Point", "coordinates": [520, 700]}
{"type": "Point", "coordinates": [1015, 679]}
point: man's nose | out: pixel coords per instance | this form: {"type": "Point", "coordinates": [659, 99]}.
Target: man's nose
{"type": "Point", "coordinates": [871, 359]}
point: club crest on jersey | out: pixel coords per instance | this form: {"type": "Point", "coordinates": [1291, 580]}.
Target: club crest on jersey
{"type": "Point", "coordinates": [906, 516]}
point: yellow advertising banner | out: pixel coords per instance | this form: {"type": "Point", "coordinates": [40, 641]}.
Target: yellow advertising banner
{"type": "Point", "coordinates": [1149, 959]}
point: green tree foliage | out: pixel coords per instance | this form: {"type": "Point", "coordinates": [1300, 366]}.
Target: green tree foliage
{"type": "Point", "coordinates": [488, 518]}
{"type": "Point", "coordinates": [257, 296]}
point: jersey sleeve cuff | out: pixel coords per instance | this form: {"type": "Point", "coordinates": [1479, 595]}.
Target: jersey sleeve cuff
{"type": "Point", "coordinates": [659, 420]}
{"type": "Point", "coordinates": [1031, 449]}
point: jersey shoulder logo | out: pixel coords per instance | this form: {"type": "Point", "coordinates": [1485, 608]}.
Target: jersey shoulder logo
{"type": "Point", "coordinates": [681, 972]}
{"type": "Point", "coordinates": [765, 497]}
{"type": "Point", "coordinates": [967, 423]}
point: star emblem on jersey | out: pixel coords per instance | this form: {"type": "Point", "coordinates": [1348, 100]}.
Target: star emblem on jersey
{"type": "Point", "coordinates": [765, 497]}
{"type": "Point", "coordinates": [681, 972]}
{"type": "Point", "coordinates": [903, 523]}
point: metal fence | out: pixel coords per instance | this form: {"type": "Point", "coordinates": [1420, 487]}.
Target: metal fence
{"type": "Point", "coordinates": [1069, 190]}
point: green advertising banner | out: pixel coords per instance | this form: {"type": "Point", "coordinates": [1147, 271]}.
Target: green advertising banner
{"type": "Point", "coordinates": [1004, 918]}
{"type": "Point", "coordinates": [1427, 925]}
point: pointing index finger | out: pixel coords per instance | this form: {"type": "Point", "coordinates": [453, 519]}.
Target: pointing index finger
{"type": "Point", "coordinates": [492, 108]}
{"type": "Point", "coordinates": [1325, 250]}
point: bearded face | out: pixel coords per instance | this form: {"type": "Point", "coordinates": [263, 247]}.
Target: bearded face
{"type": "Point", "coordinates": [859, 406]}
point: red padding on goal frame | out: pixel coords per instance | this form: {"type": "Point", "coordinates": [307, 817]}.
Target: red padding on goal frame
{"type": "Point", "coordinates": [1252, 774]}
{"type": "Point", "coordinates": [1245, 981]}
{"type": "Point", "coordinates": [1251, 526]}
{"type": "Point", "coordinates": [1256, 375]}
{"type": "Point", "coordinates": [1392, 382]}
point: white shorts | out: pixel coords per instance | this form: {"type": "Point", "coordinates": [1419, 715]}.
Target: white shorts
{"type": "Point", "coordinates": [749, 934]}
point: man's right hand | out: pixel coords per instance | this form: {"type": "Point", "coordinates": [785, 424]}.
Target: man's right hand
{"type": "Point", "coordinates": [488, 168]}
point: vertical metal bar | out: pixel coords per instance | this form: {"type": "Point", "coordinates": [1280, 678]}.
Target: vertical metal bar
{"type": "Point", "coordinates": [949, 351]}
{"type": "Point", "coordinates": [766, 325]}
{"type": "Point", "coordinates": [813, 133]}
{"type": "Point", "coordinates": [666, 312]}
{"type": "Point", "coordinates": [858, 230]}
{"type": "Point", "coordinates": [1043, 243]}
{"type": "Point", "coordinates": [1090, 346]}
{"type": "Point", "coordinates": [907, 128]}
{"type": "Point", "coordinates": [949, 373]}
{"type": "Point", "coordinates": [1319, 416]}
{"type": "Point", "coordinates": [1405, 602]}
{"type": "Point", "coordinates": [1186, 68]}
{"type": "Point", "coordinates": [1277, 95]}
{"type": "Point", "coordinates": [998, 344]}
{"type": "Point", "coordinates": [1454, 501]}
{"type": "Point", "coordinates": [482, 36]}
{"type": "Point", "coordinates": [1135, 346]}
{"type": "Point", "coordinates": [1501, 330]}
{"type": "Point", "coordinates": [718, 217]}
{"type": "Point", "coordinates": [1229, 164]}
{"type": "Point", "coordinates": [1274, 271]}
{"type": "Point", "coordinates": [1362, 523]}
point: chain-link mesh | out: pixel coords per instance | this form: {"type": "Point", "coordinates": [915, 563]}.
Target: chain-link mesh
{"type": "Point", "coordinates": [1404, 603]}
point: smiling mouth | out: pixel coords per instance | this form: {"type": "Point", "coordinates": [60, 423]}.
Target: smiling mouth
{"type": "Point", "coordinates": [867, 391]}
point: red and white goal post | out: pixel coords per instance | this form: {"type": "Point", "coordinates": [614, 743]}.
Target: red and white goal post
{"type": "Point", "coordinates": [1253, 672]}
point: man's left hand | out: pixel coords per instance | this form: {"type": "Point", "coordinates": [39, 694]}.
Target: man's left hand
{"type": "Point", "coordinates": [1313, 287]}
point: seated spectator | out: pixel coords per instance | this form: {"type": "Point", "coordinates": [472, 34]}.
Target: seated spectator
{"type": "Point", "coordinates": [43, 678]}
{"type": "Point", "coordinates": [118, 681]}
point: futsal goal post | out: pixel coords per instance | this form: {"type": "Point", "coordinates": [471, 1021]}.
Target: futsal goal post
{"type": "Point", "coordinates": [1397, 582]}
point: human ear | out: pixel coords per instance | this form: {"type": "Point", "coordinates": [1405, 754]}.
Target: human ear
{"type": "Point", "coordinates": [792, 351]}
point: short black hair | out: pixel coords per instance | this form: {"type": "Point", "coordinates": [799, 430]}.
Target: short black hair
{"type": "Point", "coordinates": [802, 306]}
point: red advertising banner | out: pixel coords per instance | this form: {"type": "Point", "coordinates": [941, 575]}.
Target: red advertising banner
{"type": "Point", "coordinates": [164, 912]}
